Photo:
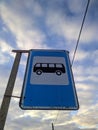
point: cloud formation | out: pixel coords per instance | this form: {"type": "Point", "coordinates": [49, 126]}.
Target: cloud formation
{"type": "Point", "coordinates": [51, 24]}
{"type": "Point", "coordinates": [22, 26]}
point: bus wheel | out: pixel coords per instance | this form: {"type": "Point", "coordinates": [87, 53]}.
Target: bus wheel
{"type": "Point", "coordinates": [39, 72]}
{"type": "Point", "coordinates": [58, 72]}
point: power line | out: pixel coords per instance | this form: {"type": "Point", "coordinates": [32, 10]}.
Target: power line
{"type": "Point", "coordinates": [77, 43]}
{"type": "Point", "coordinates": [56, 116]}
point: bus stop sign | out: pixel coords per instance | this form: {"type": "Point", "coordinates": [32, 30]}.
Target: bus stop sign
{"type": "Point", "coordinates": [48, 82]}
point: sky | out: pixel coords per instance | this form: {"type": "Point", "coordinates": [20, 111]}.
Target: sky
{"type": "Point", "coordinates": [51, 24]}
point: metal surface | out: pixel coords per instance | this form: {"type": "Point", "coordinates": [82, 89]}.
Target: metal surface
{"type": "Point", "coordinates": [49, 88]}
{"type": "Point", "coordinates": [9, 89]}
{"type": "Point", "coordinates": [52, 126]}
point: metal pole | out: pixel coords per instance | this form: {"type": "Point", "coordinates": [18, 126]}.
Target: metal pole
{"type": "Point", "coordinates": [9, 89]}
{"type": "Point", "coordinates": [52, 126]}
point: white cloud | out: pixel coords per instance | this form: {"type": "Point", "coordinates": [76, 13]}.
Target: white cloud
{"type": "Point", "coordinates": [23, 28]}
{"type": "Point", "coordinates": [90, 70]}
{"type": "Point", "coordinates": [81, 55]}
{"type": "Point", "coordinates": [89, 118]}
{"type": "Point", "coordinates": [84, 78]}
{"type": "Point", "coordinates": [22, 25]}
{"type": "Point", "coordinates": [5, 50]}
{"type": "Point", "coordinates": [93, 56]}
{"type": "Point", "coordinates": [5, 47]}
{"type": "Point", "coordinates": [76, 6]}
{"type": "Point", "coordinates": [38, 11]}
{"type": "Point", "coordinates": [4, 59]}
{"type": "Point", "coordinates": [61, 25]}
{"type": "Point", "coordinates": [30, 40]}
{"type": "Point", "coordinates": [3, 86]}
{"type": "Point", "coordinates": [69, 27]}
{"type": "Point", "coordinates": [89, 33]}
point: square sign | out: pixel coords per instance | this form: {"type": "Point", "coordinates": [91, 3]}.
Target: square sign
{"type": "Point", "coordinates": [48, 82]}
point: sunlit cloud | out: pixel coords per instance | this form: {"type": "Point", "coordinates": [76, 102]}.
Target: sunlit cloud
{"type": "Point", "coordinates": [51, 24]}
{"type": "Point", "coordinates": [27, 35]}
{"type": "Point", "coordinates": [87, 119]}
{"type": "Point", "coordinates": [5, 47]}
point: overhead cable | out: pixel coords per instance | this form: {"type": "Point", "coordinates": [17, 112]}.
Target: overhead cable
{"type": "Point", "coordinates": [77, 43]}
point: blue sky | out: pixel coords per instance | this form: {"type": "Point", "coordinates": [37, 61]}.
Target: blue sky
{"type": "Point", "coordinates": [53, 24]}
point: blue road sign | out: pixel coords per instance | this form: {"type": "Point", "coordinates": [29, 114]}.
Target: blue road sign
{"type": "Point", "coordinates": [48, 82]}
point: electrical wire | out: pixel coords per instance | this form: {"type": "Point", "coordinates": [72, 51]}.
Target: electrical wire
{"type": "Point", "coordinates": [56, 117]}
{"type": "Point", "coordinates": [77, 43]}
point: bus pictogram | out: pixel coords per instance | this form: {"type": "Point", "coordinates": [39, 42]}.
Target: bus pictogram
{"type": "Point", "coordinates": [57, 68]}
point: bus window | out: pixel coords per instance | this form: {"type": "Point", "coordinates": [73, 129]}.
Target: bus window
{"type": "Point", "coordinates": [37, 65]}
{"type": "Point", "coordinates": [51, 65]}
{"type": "Point", "coordinates": [59, 66]}
{"type": "Point", "coordinates": [44, 65]}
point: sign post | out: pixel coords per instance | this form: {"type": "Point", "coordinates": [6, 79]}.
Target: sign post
{"type": "Point", "coordinates": [48, 82]}
{"type": "Point", "coordinates": [7, 96]}
{"type": "Point", "coordinates": [9, 89]}
{"type": "Point", "coordinates": [52, 126]}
